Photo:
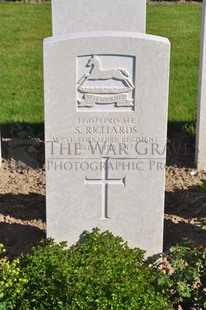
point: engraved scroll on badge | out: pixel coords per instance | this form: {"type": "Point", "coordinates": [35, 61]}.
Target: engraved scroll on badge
{"type": "Point", "coordinates": [104, 95]}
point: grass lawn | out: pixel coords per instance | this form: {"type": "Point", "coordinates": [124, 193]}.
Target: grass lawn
{"type": "Point", "coordinates": [182, 25]}
{"type": "Point", "coordinates": [23, 27]}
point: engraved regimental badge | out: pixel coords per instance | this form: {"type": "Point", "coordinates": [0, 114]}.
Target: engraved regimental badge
{"type": "Point", "coordinates": [105, 83]}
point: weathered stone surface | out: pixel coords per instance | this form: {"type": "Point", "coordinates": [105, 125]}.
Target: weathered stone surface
{"type": "Point", "coordinates": [98, 15]}
{"type": "Point", "coordinates": [106, 97]}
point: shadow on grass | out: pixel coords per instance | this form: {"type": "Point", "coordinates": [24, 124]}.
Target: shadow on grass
{"type": "Point", "coordinates": [181, 144]}
{"type": "Point", "coordinates": [22, 130]}
{"type": "Point", "coordinates": [24, 143]}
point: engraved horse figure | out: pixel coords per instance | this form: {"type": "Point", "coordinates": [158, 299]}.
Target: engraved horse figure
{"type": "Point", "coordinates": [97, 73]}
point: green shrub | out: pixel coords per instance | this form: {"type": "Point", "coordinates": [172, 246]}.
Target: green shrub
{"type": "Point", "coordinates": [188, 280]}
{"type": "Point", "coordinates": [12, 283]}
{"type": "Point", "coordinates": [101, 272]}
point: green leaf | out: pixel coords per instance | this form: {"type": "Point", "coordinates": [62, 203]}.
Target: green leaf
{"type": "Point", "coordinates": [184, 290]}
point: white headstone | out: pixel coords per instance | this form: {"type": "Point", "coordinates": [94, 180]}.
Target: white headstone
{"type": "Point", "coordinates": [69, 16]}
{"type": "Point", "coordinates": [201, 115]}
{"type": "Point", "coordinates": [106, 97]}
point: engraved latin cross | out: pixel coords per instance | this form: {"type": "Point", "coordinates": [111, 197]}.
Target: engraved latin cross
{"type": "Point", "coordinates": [105, 182]}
